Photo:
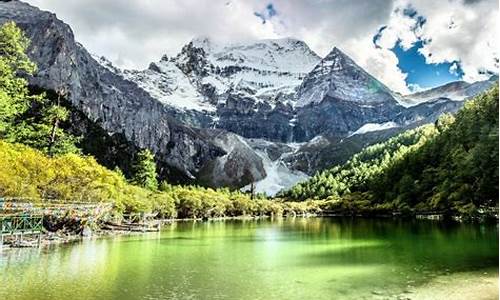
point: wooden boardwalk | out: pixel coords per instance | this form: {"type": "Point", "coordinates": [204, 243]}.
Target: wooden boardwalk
{"type": "Point", "coordinates": [24, 216]}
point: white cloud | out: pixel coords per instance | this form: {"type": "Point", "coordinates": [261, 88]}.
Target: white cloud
{"type": "Point", "coordinates": [133, 33]}
{"type": "Point", "coordinates": [462, 31]}
{"type": "Point", "coordinates": [400, 28]}
{"type": "Point", "coordinates": [141, 31]}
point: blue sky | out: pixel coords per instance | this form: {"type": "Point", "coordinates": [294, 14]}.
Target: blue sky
{"type": "Point", "coordinates": [267, 13]}
{"type": "Point", "coordinates": [420, 73]}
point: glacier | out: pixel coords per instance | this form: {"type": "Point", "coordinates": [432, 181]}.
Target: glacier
{"type": "Point", "coordinates": [278, 176]}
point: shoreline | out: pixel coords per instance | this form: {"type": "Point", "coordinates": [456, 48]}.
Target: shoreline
{"type": "Point", "coordinates": [49, 239]}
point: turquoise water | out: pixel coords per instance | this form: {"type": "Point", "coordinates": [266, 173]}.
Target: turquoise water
{"type": "Point", "coordinates": [315, 258]}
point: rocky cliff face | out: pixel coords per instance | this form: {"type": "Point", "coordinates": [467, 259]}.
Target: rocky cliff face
{"type": "Point", "coordinates": [337, 76]}
{"type": "Point", "coordinates": [338, 97]}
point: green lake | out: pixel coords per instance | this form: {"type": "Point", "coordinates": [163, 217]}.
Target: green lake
{"type": "Point", "coordinates": [300, 258]}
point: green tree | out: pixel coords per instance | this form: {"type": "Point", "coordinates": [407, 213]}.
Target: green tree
{"type": "Point", "coordinates": [14, 94]}
{"type": "Point", "coordinates": [145, 170]}
{"type": "Point", "coordinates": [33, 120]}
{"type": "Point", "coordinates": [451, 166]}
{"type": "Point", "coordinates": [41, 129]}
{"type": "Point", "coordinates": [444, 122]}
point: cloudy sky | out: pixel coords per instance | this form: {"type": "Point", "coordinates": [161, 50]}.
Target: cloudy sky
{"type": "Point", "coordinates": [408, 45]}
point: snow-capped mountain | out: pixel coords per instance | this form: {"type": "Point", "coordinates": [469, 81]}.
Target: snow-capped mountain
{"type": "Point", "coordinates": [204, 72]}
{"type": "Point", "coordinates": [167, 83]}
{"type": "Point", "coordinates": [278, 90]}
{"type": "Point", "coordinates": [338, 76]}
{"type": "Point", "coordinates": [280, 95]}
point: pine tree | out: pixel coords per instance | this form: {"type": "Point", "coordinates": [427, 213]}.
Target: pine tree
{"type": "Point", "coordinates": [145, 170]}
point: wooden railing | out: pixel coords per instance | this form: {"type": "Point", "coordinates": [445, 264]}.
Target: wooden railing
{"type": "Point", "coordinates": [20, 225]}
{"type": "Point", "coordinates": [21, 215]}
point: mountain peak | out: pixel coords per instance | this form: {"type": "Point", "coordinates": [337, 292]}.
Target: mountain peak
{"type": "Point", "coordinates": [335, 52]}
{"type": "Point", "coordinates": [264, 67]}
{"type": "Point", "coordinates": [203, 42]}
{"type": "Point", "coordinates": [336, 58]}
{"type": "Point", "coordinates": [338, 76]}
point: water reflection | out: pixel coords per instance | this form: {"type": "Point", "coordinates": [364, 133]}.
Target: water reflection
{"type": "Point", "coordinates": [290, 258]}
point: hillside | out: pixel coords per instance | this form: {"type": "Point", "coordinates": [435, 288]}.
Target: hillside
{"type": "Point", "coordinates": [363, 166]}
{"type": "Point", "coordinates": [449, 166]}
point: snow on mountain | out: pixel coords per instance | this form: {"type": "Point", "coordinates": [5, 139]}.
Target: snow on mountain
{"type": "Point", "coordinates": [106, 63]}
{"type": "Point", "coordinates": [261, 69]}
{"type": "Point", "coordinates": [338, 76]}
{"type": "Point", "coordinates": [454, 91]}
{"type": "Point", "coordinates": [167, 83]}
{"type": "Point", "coordinates": [280, 55]}
{"type": "Point", "coordinates": [278, 177]}
{"type": "Point", "coordinates": [317, 140]}
{"type": "Point", "coordinates": [242, 87]}
{"type": "Point", "coordinates": [198, 77]}
{"type": "Point", "coordinates": [370, 127]}
{"type": "Point", "coordinates": [222, 95]}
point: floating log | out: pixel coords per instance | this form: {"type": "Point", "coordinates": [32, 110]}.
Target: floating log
{"type": "Point", "coordinates": [132, 227]}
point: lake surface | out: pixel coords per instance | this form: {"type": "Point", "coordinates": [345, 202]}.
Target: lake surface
{"type": "Point", "coordinates": [315, 258]}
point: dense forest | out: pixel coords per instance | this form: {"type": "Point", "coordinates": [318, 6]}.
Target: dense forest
{"type": "Point", "coordinates": [451, 166]}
